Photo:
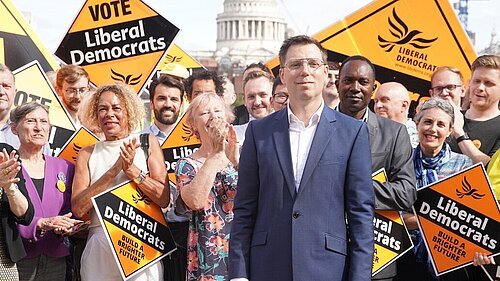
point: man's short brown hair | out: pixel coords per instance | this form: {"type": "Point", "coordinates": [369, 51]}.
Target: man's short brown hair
{"type": "Point", "coordinates": [70, 73]}
{"type": "Point", "coordinates": [257, 74]}
{"type": "Point", "coordinates": [299, 40]}
{"type": "Point", "coordinates": [487, 61]}
{"type": "Point", "coordinates": [450, 69]}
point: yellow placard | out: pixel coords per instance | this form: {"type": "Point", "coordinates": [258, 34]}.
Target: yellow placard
{"type": "Point", "coordinates": [33, 85]}
{"type": "Point", "coordinates": [19, 45]}
{"type": "Point", "coordinates": [405, 39]}
{"type": "Point", "coordinates": [178, 55]}
{"type": "Point", "coordinates": [180, 143]}
{"type": "Point", "coordinates": [392, 239]}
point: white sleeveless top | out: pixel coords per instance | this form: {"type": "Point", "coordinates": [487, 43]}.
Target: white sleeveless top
{"type": "Point", "coordinates": [97, 261]}
{"type": "Point", "coordinates": [103, 158]}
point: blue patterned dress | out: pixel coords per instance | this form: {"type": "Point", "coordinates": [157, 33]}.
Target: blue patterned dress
{"type": "Point", "coordinates": [208, 241]}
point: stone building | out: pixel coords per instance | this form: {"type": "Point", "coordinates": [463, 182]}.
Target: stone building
{"type": "Point", "coordinates": [248, 31]}
{"type": "Point", "coordinates": [493, 48]}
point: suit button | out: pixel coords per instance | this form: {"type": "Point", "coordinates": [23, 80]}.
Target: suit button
{"type": "Point", "coordinates": [296, 215]}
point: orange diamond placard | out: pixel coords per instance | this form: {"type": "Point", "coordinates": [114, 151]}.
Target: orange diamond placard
{"type": "Point", "coordinates": [135, 228]}
{"type": "Point", "coordinates": [80, 139]}
{"type": "Point", "coordinates": [180, 143]}
{"type": "Point", "coordinates": [177, 55]}
{"type": "Point", "coordinates": [118, 41]}
{"type": "Point", "coordinates": [33, 86]}
{"type": "Point", "coordinates": [458, 216]}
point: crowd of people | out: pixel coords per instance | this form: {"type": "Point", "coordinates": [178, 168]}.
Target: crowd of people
{"type": "Point", "coordinates": [280, 188]}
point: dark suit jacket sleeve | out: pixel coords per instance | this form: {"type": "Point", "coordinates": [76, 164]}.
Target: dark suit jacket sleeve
{"type": "Point", "coordinates": [399, 193]}
{"type": "Point", "coordinates": [360, 201]}
{"type": "Point", "coordinates": [245, 208]}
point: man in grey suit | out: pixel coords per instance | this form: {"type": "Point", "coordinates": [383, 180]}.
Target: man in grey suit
{"type": "Point", "coordinates": [389, 141]}
{"type": "Point", "coordinates": [304, 171]}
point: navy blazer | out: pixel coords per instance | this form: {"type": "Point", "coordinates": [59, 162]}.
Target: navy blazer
{"type": "Point", "coordinates": [280, 234]}
{"type": "Point", "coordinates": [13, 239]}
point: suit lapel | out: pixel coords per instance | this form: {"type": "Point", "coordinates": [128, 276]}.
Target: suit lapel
{"type": "Point", "coordinates": [322, 136]}
{"type": "Point", "coordinates": [281, 138]}
{"type": "Point", "coordinates": [372, 126]}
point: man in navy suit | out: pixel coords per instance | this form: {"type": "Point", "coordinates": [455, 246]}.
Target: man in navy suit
{"type": "Point", "coordinates": [304, 174]}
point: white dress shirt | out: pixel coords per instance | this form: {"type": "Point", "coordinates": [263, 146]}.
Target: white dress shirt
{"type": "Point", "coordinates": [301, 137]}
{"type": "Point", "coordinates": [241, 130]}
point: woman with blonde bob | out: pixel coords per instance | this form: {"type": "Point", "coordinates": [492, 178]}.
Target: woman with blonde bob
{"type": "Point", "coordinates": [117, 111]}
{"type": "Point", "coordinates": [206, 181]}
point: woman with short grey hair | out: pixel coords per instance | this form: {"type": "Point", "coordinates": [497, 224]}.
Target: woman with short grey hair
{"type": "Point", "coordinates": [48, 181]}
{"type": "Point", "coordinates": [433, 160]}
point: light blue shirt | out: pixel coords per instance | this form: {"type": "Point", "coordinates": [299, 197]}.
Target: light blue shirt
{"type": "Point", "coordinates": [170, 215]}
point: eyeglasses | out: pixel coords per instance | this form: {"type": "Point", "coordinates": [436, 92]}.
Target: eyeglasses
{"type": "Point", "coordinates": [74, 91]}
{"type": "Point", "coordinates": [449, 88]}
{"type": "Point", "coordinates": [312, 63]}
{"type": "Point", "coordinates": [280, 97]}
{"type": "Point", "coordinates": [331, 75]}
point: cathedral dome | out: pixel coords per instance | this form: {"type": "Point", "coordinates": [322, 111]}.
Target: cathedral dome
{"type": "Point", "coordinates": [253, 30]}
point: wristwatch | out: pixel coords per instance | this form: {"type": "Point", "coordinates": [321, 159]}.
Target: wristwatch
{"type": "Point", "coordinates": [140, 178]}
{"type": "Point", "coordinates": [463, 137]}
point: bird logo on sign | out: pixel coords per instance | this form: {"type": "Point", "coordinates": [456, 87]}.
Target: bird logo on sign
{"type": "Point", "coordinates": [129, 80]}
{"type": "Point", "coordinates": [467, 190]}
{"type": "Point", "coordinates": [402, 35]}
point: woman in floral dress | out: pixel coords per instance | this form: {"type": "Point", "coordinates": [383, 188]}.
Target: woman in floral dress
{"type": "Point", "coordinates": [206, 182]}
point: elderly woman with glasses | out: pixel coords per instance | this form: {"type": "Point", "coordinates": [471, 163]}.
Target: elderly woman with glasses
{"type": "Point", "coordinates": [433, 160]}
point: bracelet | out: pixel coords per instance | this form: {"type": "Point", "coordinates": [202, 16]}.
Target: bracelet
{"type": "Point", "coordinates": [463, 137]}
{"type": "Point", "coordinates": [141, 178]}
{"type": "Point", "coordinates": [13, 192]}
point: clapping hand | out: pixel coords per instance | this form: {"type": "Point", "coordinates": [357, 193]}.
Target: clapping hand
{"type": "Point", "coordinates": [232, 147]}
{"type": "Point", "coordinates": [59, 224]}
{"type": "Point", "coordinates": [9, 167]}
{"type": "Point", "coordinates": [127, 153]}
{"type": "Point", "coordinates": [217, 130]}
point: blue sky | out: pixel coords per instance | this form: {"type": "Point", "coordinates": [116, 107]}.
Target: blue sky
{"type": "Point", "coordinates": [196, 18]}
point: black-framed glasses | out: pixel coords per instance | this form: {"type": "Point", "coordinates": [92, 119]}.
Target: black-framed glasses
{"type": "Point", "coordinates": [449, 88]}
{"type": "Point", "coordinates": [280, 97]}
{"type": "Point", "coordinates": [312, 63]}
